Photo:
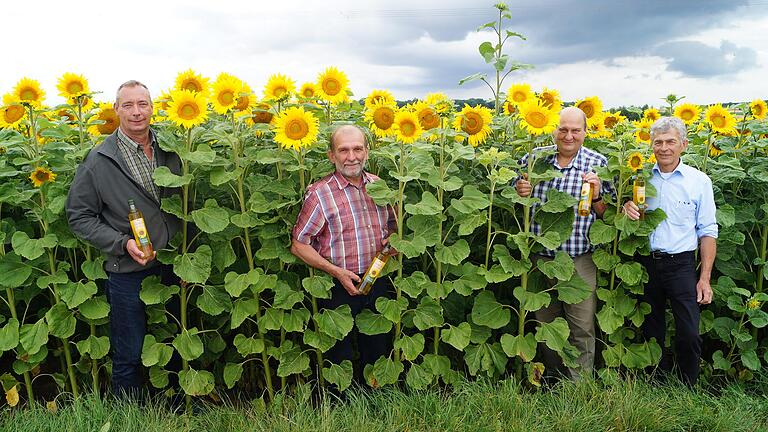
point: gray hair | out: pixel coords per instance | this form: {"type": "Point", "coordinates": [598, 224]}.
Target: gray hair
{"type": "Point", "coordinates": [130, 83]}
{"type": "Point", "coordinates": [666, 124]}
{"type": "Point", "coordinates": [345, 128]}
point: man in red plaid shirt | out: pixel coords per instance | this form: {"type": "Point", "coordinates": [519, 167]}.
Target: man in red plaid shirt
{"type": "Point", "coordinates": [339, 231]}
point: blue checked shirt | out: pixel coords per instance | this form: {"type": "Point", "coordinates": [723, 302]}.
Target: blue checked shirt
{"type": "Point", "coordinates": [686, 197]}
{"type": "Point", "coordinates": [582, 163]}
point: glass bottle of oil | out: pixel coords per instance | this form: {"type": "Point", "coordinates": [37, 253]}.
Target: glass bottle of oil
{"type": "Point", "coordinates": [139, 228]}
{"type": "Point", "coordinates": [638, 192]}
{"type": "Point", "coordinates": [585, 199]}
{"type": "Point", "coordinates": [374, 270]}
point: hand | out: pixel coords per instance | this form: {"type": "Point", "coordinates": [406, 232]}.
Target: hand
{"type": "Point", "coordinates": [703, 292]}
{"type": "Point", "coordinates": [632, 211]}
{"type": "Point", "coordinates": [392, 250]}
{"type": "Point", "coordinates": [348, 280]}
{"type": "Point", "coordinates": [593, 180]}
{"type": "Point", "coordinates": [523, 186]}
{"type": "Point", "coordinates": [133, 250]}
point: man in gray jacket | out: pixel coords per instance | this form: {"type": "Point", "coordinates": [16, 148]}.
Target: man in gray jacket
{"type": "Point", "coordinates": [97, 209]}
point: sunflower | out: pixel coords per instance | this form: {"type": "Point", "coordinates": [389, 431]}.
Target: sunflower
{"type": "Point", "coordinates": [428, 116]}
{"type": "Point", "coordinates": [519, 94]}
{"type": "Point", "coordinates": [643, 130]}
{"type": "Point", "coordinates": [610, 120]}
{"type": "Point", "coordinates": [279, 87]}
{"type": "Point", "coordinates": [407, 127]}
{"type": "Point", "coordinates": [72, 85]}
{"type": "Point", "coordinates": [538, 119]}
{"type": "Point", "coordinates": [29, 91]}
{"type": "Point", "coordinates": [41, 176]}
{"type": "Point", "coordinates": [592, 107]}
{"type": "Point", "coordinates": [187, 109]}
{"type": "Point", "coordinates": [651, 114]}
{"type": "Point", "coordinates": [261, 114]}
{"type": "Point", "coordinates": [439, 101]}
{"type": "Point", "coordinates": [191, 81]}
{"type": "Point", "coordinates": [476, 122]}
{"type": "Point", "coordinates": [651, 159]}
{"type": "Point", "coordinates": [688, 113]}
{"type": "Point", "coordinates": [12, 112]}
{"type": "Point", "coordinates": [106, 114]}
{"type": "Point", "coordinates": [635, 161]}
{"type": "Point", "coordinates": [758, 108]}
{"type": "Point", "coordinates": [296, 128]}
{"type": "Point", "coordinates": [225, 94]}
{"type": "Point", "coordinates": [308, 90]}
{"type": "Point", "coordinates": [332, 85]}
{"type": "Point", "coordinates": [379, 95]}
{"type": "Point", "coordinates": [719, 119]}
{"type": "Point", "coordinates": [597, 129]}
{"type": "Point", "coordinates": [246, 100]}
{"type": "Point", "coordinates": [715, 151]}
{"type": "Point", "coordinates": [381, 117]}
{"type": "Point", "coordinates": [551, 99]}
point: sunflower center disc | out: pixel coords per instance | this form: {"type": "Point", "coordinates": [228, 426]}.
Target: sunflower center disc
{"type": "Point", "coordinates": [472, 124]}
{"type": "Point", "coordinates": [296, 130]}
{"type": "Point", "coordinates": [718, 121]}
{"type": "Point", "coordinates": [188, 111]}
{"type": "Point", "coordinates": [226, 98]}
{"type": "Point", "coordinates": [331, 87]}
{"type": "Point", "coordinates": [536, 119]}
{"type": "Point", "coordinates": [74, 87]}
{"type": "Point", "coordinates": [28, 94]}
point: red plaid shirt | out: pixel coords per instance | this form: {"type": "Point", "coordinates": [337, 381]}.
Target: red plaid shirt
{"type": "Point", "coordinates": [342, 223]}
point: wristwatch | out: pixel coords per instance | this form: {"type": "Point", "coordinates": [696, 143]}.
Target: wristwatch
{"type": "Point", "coordinates": [598, 199]}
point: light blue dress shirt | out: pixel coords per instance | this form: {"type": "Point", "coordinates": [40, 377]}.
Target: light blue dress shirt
{"type": "Point", "coordinates": [686, 197]}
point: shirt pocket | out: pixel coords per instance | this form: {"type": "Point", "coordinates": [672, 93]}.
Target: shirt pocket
{"type": "Point", "coordinates": [682, 213]}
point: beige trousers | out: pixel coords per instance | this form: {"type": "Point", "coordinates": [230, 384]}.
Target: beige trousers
{"type": "Point", "coordinates": [580, 318]}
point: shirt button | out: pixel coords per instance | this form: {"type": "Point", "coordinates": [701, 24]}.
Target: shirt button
{"type": "Point", "coordinates": [369, 226]}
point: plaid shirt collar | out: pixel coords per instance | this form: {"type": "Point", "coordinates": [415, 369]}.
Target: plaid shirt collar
{"type": "Point", "coordinates": [577, 162]}
{"type": "Point", "coordinates": [124, 139]}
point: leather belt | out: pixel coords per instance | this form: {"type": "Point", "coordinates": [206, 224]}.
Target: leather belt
{"type": "Point", "coordinates": [659, 255]}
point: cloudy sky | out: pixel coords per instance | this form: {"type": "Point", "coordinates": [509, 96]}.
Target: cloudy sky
{"type": "Point", "coordinates": [627, 52]}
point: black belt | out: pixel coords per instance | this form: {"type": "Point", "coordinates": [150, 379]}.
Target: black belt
{"type": "Point", "coordinates": [659, 255]}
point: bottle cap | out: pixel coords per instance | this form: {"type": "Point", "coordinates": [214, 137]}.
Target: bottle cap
{"type": "Point", "coordinates": [131, 203]}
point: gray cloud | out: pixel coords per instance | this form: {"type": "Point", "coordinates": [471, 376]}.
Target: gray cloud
{"type": "Point", "coordinates": [700, 60]}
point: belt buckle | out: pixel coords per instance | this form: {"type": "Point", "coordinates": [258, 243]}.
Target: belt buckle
{"type": "Point", "coordinates": [657, 255]}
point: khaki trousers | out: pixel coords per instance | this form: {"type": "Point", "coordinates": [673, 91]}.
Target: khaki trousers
{"type": "Point", "coordinates": [580, 318]}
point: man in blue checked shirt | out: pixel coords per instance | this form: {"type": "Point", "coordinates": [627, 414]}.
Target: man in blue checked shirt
{"type": "Point", "coordinates": [576, 163]}
{"type": "Point", "coordinates": [685, 194]}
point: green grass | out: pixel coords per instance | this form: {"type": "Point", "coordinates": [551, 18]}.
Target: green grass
{"type": "Point", "coordinates": [628, 405]}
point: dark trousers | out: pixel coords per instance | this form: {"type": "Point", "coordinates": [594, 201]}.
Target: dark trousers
{"type": "Point", "coordinates": [128, 326]}
{"type": "Point", "coordinates": [674, 278]}
{"type": "Point", "coordinates": [370, 348]}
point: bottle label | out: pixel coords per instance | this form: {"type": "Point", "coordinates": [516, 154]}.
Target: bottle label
{"type": "Point", "coordinates": [640, 195]}
{"type": "Point", "coordinates": [376, 266]}
{"type": "Point", "coordinates": [585, 187]}
{"type": "Point", "coordinates": [140, 231]}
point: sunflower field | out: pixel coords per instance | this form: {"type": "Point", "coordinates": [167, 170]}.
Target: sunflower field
{"type": "Point", "coordinates": [465, 283]}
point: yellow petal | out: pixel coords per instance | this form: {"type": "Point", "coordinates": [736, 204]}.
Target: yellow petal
{"type": "Point", "coordinates": [12, 396]}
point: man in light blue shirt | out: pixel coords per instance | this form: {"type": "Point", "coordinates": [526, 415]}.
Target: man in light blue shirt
{"type": "Point", "coordinates": [685, 194]}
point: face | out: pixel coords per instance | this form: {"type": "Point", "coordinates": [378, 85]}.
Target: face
{"type": "Point", "coordinates": [667, 146]}
{"type": "Point", "coordinates": [570, 135]}
{"type": "Point", "coordinates": [134, 109]}
{"type": "Point", "coordinates": [349, 154]}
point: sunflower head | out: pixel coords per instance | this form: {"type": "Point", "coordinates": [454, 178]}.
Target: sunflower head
{"type": "Point", "coordinates": [715, 151]}
{"type": "Point", "coordinates": [753, 304]}
{"type": "Point", "coordinates": [28, 91]}
{"type": "Point", "coordinates": [537, 119]}
{"type": "Point", "coordinates": [261, 113]}
{"type": "Point", "coordinates": [635, 161]}
{"type": "Point", "coordinates": [688, 113]}
{"type": "Point", "coordinates": [72, 85]}
{"type": "Point", "coordinates": [379, 96]}
{"type": "Point", "coordinates": [296, 128]}
{"type": "Point", "coordinates": [381, 117]}
{"type": "Point", "coordinates": [332, 85]}
{"type": "Point", "coordinates": [12, 112]}
{"type": "Point", "coordinates": [475, 122]}
{"type": "Point", "coordinates": [597, 129]}
{"type": "Point", "coordinates": [651, 114]}
{"type": "Point", "coordinates": [41, 176]}
{"type": "Point", "coordinates": [651, 159]}
{"type": "Point", "coordinates": [440, 102]}
{"type": "Point", "coordinates": [428, 115]}
{"type": "Point", "coordinates": [643, 130]}
{"type": "Point", "coordinates": [610, 120]}
{"type": "Point", "coordinates": [592, 107]}
{"type": "Point", "coordinates": [509, 108]}
{"type": "Point", "coordinates": [246, 100]}
{"type": "Point", "coordinates": [187, 109]}
{"type": "Point", "coordinates": [193, 82]}
{"type": "Point", "coordinates": [758, 108]}
{"type": "Point", "coordinates": [551, 99]}
{"type": "Point", "coordinates": [719, 119]}
{"type": "Point", "coordinates": [279, 88]}
{"type": "Point", "coordinates": [308, 91]}
{"type": "Point", "coordinates": [105, 121]}
{"type": "Point", "coordinates": [519, 93]}
{"type": "Point", "coordinates": [226, 91]}
{"type": "Point", "coordinates": [407, 127]}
